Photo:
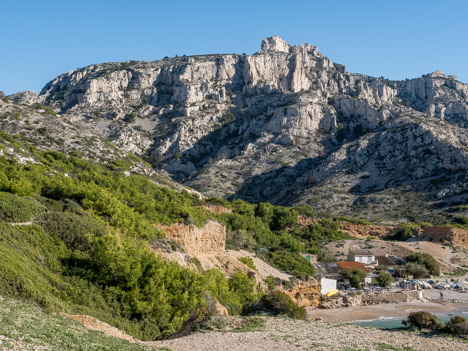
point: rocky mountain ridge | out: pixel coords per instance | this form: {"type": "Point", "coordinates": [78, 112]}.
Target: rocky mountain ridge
{"type": "Point", "coordinates": [284, 125]}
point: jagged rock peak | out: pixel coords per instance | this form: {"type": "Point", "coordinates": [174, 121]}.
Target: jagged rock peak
{"type": "Point", "coordinates": [26, 97]}
{"type": "Point", "coordinates": [440, 74]}
{"type": "Point", "coordinates": [275, 43]}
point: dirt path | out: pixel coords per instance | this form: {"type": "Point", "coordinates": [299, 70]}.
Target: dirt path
{"type": "Point", "coordinates": [95, 324]}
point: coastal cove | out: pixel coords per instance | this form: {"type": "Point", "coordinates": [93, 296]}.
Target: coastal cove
{"type": "Point", "coordinates": [359, 314]}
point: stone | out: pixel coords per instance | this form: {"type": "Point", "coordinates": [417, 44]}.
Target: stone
{"type": "Point", "coordinates": [275, 43]}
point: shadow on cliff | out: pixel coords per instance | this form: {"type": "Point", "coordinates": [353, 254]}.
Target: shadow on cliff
{"type": "Point", "coordinates": [284, 185]}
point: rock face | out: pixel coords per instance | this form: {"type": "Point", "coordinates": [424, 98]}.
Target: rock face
{"type": "Point", "coordinates": [208, 240]}
{"type": "Point", "coordinates": [364, 230]}
{"type": "Point", "coordinates": [284, 125]}
{"type": "Point", "coordinates": [305, 294]}
{"type": "Point", "coordinates": [455, 236]}
{"type": "Point", "coordinates": [207, 245]}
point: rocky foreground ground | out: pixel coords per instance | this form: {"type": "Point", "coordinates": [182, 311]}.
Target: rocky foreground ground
{"type": "Point", "coordinates": [287, 334]}
{"type": "Point", "coordinates": [25, 327]}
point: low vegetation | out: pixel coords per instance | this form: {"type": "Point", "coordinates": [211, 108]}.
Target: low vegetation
{"type": "Point", "coordinates": [25, 327]}
{"type": "Point", "coordinates": [384, 278]}
{"type": "Point", "coordinates": [278, 303]}
{"type": "Point", "coordinates": [425, 260]}
{"type": "Point", "coordinates": [83, 246]}
{"type": "Point", "coordinates": [426, 321]}
{"type": "Point", "coordinates": [355, 276]}
{"type": "Point", "coordinates": [248, 262]}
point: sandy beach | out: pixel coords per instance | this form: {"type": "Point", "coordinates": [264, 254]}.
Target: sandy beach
{"type": "Point", "coordinates": [348, 314]}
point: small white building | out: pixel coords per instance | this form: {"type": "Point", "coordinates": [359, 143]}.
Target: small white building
{"type": "Point", "coordinates": [327, 285]}
{"type": "Point", "coordinates": [363, 256]}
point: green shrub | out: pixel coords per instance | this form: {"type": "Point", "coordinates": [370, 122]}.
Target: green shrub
{"type": "Point", "coordinates": [355, 276]}
{"type": "Point", "coordinates": [416, 270]}
{"type": "Point", "coordinates": [426, 260]}
{"type": "Point", "coordinates": [271, 281]}
{"type": "Point", "coordinates": [326, 255]}
{"type": "Point", "coordinates": [423, 320]}
{"type": "Point", "coordinates": [14, 208]}
{"type": "Point", "coordinates": [71, 228]}
{"type": "Point", "coordinates": [278, 303]}
{"type": "Point", "coordinates": [457, 325]}
{"type": "Point", "coordinates": [402, 234]}
{"type": "Point", "coordinates": [314, 235]}
{"type": "Point", "coordinates": [291, 262]}
{"type": "Point", "coordinates": [248, 262]}
{"type": "Point", "coordinates": [384, 279]}
{"type": "Point", "coordinates": [354, 220]}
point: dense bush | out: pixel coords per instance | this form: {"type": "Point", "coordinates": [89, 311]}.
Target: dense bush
{"type": "Point", "coordinates": [290, 262]}
{"type": "Point", "coordinates": [423, 320]}
{"type": "Point", "coordinates": [14, 208]}
{"type": "Point", "coordinates": [71, 228]}
{"type": "Point", "coordinates": [402, 234]}
{"type": "Point", "coordinates": [457, 325]}
{"type": "Point", "coordinates": [248, 262]}
{"type": "Point", "coordinates": [426, 260]}
{"type": "Point", "coordinates": [326, 255]}
{"type": "Point", "coordinates": [415, 270]}
{"type": "Point", "coordinates": [314, 235]}
{"type": "Point", "coordinates": [384, 278]}
{"type": "Point", "coordinates": [355, 276]}
{"type": "Point", "coordinates": [278, 303]}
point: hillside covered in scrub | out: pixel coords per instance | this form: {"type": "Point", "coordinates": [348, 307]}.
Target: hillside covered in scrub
{"type": "Point", "coordinates": [76, 237]}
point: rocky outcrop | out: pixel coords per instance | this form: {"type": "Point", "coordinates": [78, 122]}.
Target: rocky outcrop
{"type": "Point", "coordinates": [217, 209]}
{"type": "Point", "coordinates": [305, 294]}
{"type": "Point", "coordinates": [455, 236]}
{"type": "Point", "coordinates": [307, 221]}
{"type": "Point", "coordinates": [207, 246]}
{"type": "Point", "coordinates": [207, 240]}
{"type": "Point", "coordinates": [439, 95]}
{"type": "Point", "coordinates": [360, 231]}
{"type": "Point", "coordinates": [372, 299]}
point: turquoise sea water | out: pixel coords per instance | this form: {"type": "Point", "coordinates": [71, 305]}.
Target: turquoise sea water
{"type": "Point", "coordinates": [395, 322]}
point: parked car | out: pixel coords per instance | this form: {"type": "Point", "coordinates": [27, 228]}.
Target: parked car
{"type": "Point", "coordinates": [426, 285]}
{"type": "Point", "coordinates": [451, 284]}
{"type": "Point", "coordinates": [444, 285]}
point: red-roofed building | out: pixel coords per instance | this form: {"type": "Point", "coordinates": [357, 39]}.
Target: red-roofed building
{"type": "Point", "coordinates": [344, 265]}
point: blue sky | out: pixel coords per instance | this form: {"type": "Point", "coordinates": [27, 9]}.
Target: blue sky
{"type": "Point", "coordinates": [395, 39]}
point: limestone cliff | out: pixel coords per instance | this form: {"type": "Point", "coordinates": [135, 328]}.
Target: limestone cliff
{"type": "Point", "coordinates": [284, 125]}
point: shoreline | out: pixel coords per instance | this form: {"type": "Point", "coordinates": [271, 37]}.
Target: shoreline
{"type": "Point", "coordinates": [373, 312]}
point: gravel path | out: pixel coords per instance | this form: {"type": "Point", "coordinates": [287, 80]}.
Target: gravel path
{"type": "Point", "coordinates": [285, 334]}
